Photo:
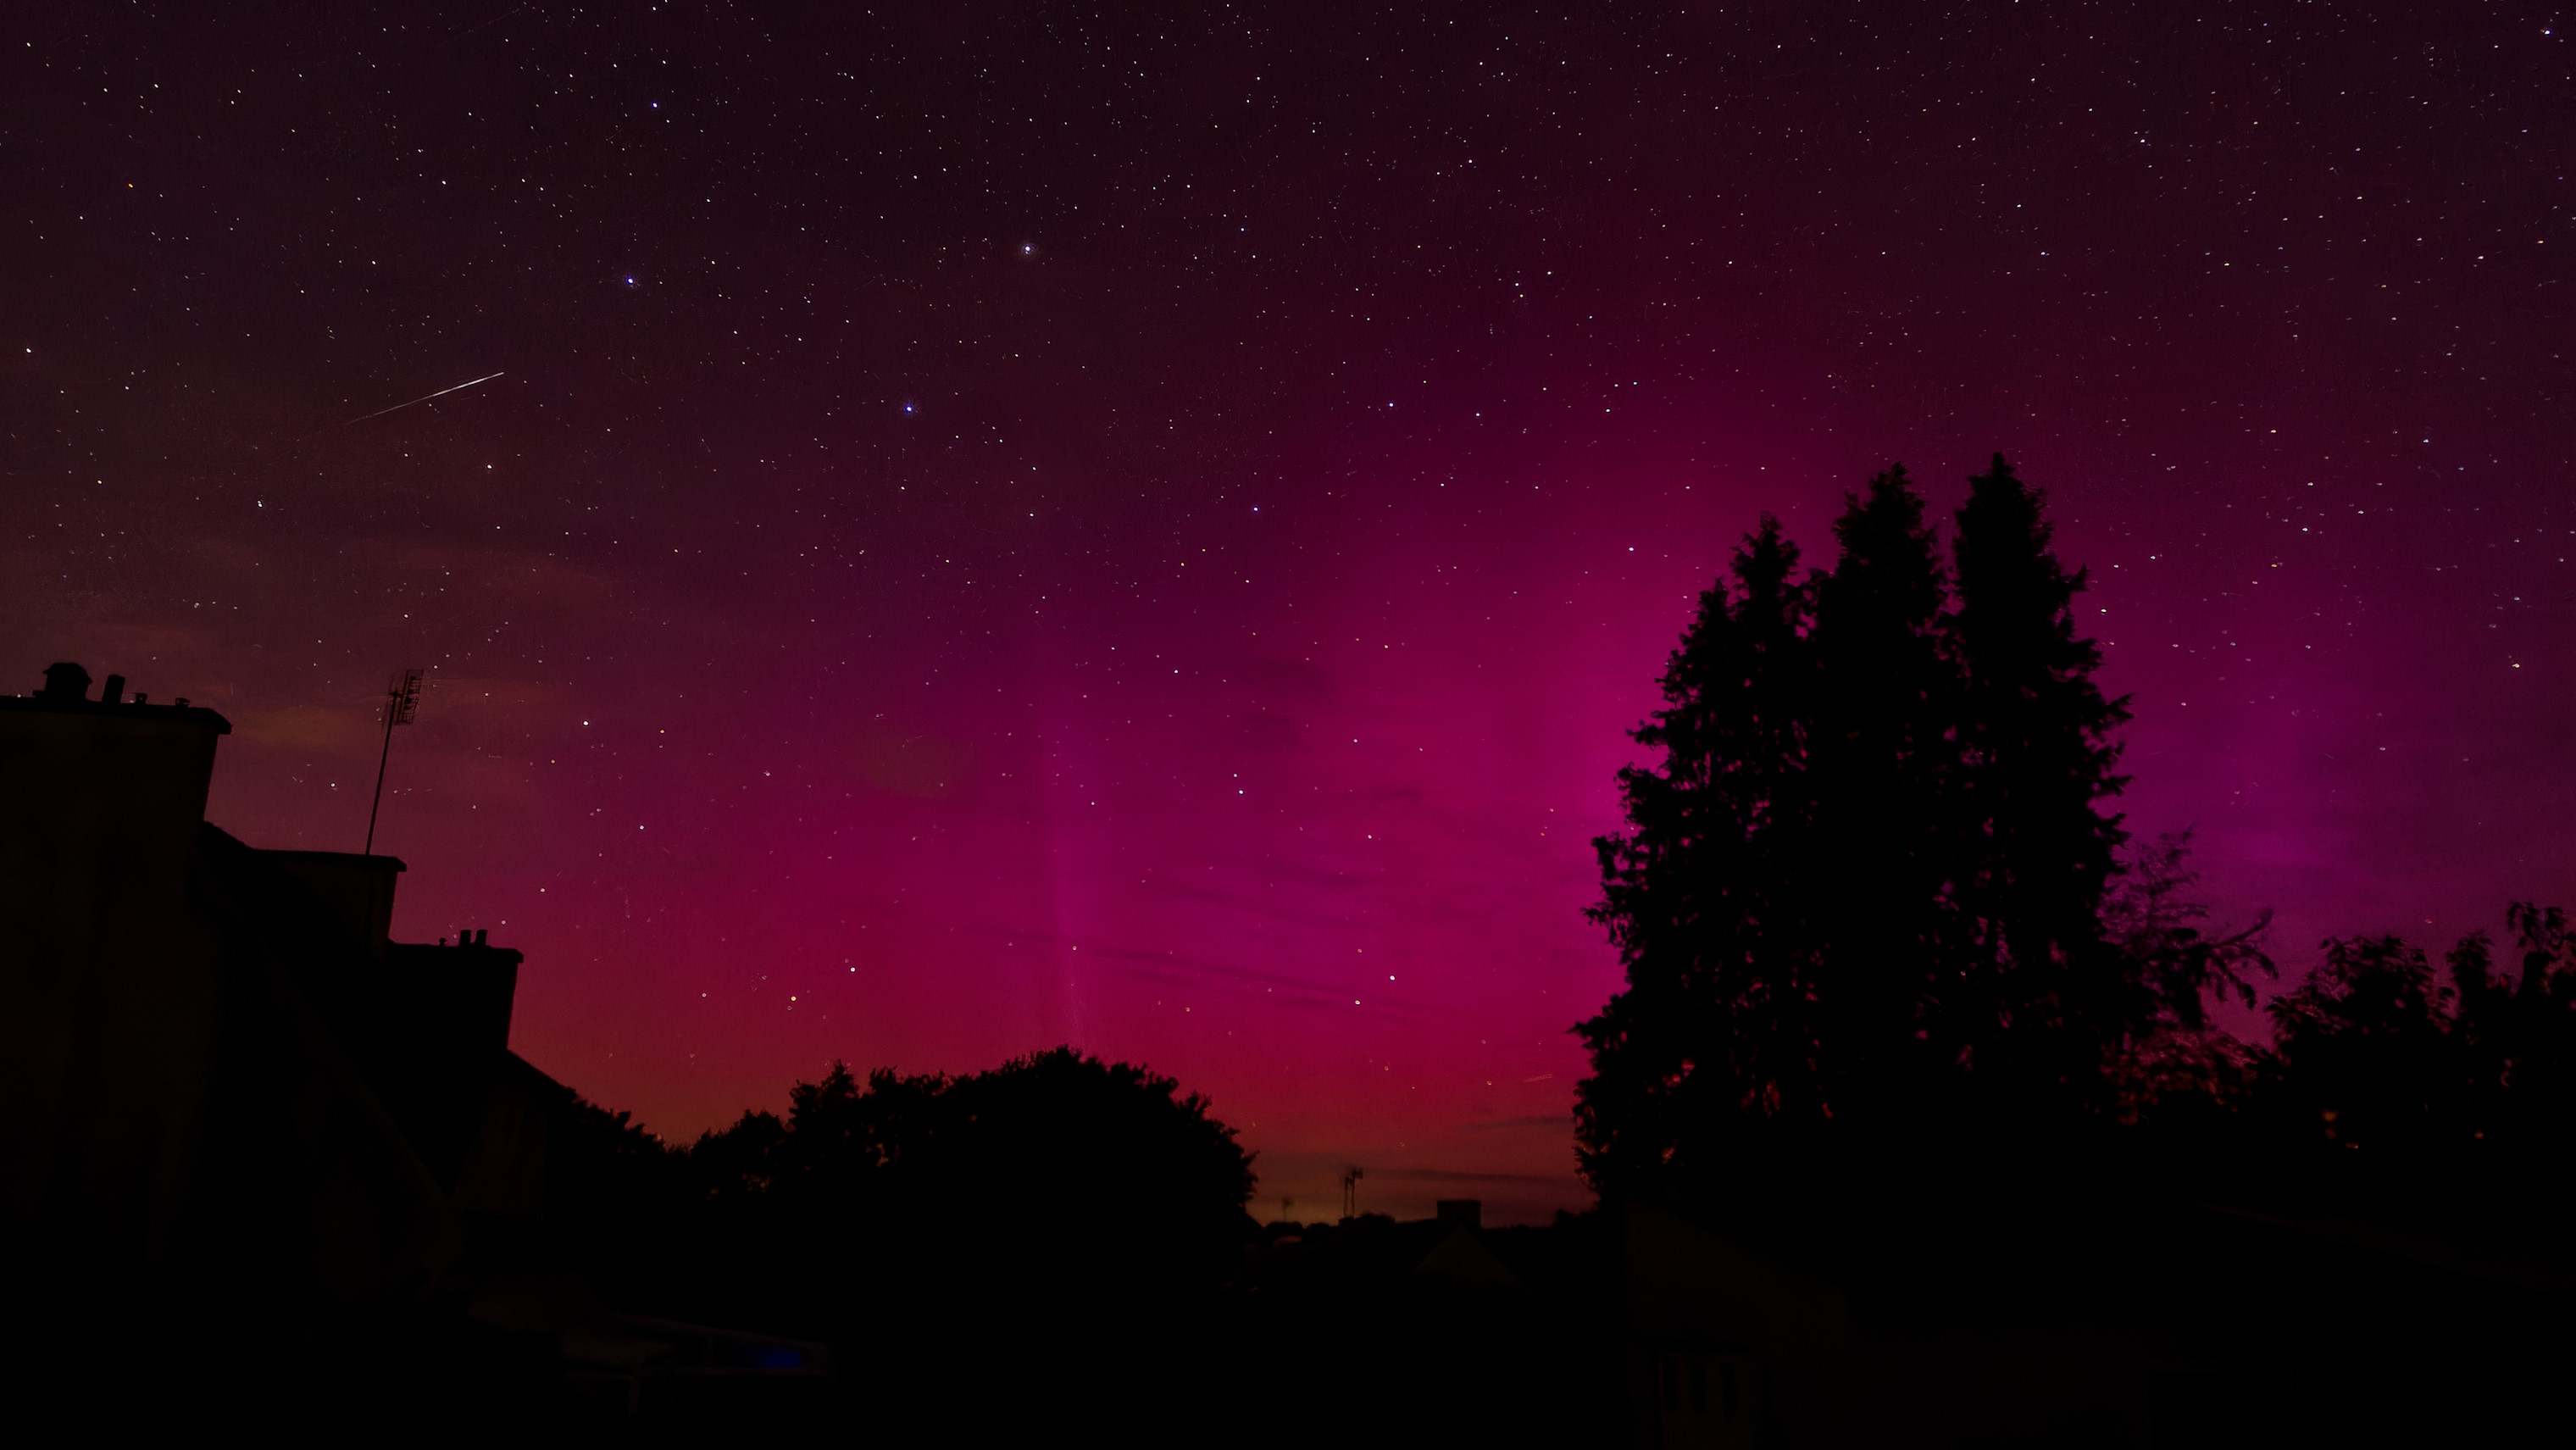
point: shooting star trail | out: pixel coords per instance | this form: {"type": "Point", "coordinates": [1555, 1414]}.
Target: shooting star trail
{"type": "Point", "coordinates": [423, 398]}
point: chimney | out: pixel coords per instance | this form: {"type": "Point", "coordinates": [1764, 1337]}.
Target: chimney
{"type": "Point", "coordinates": [114, 691]}
{"type": "Point", "coordinates": [100, 815]}
{"type": "Point", "coordinates": [1468, 1211]}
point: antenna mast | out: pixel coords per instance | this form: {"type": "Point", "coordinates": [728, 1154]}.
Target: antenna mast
{"type": "Point", "coordinates": [402, 706]}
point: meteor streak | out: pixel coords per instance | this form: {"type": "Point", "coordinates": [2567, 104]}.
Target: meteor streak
{"type": "Point", "coordinates": [423, 398]}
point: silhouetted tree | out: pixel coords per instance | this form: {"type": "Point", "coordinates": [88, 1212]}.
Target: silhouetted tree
{"type": "Point", "coordinates": [1867, 886]}
{"type": "Point", "coordinates": [2518, 1039]}
{"type": "Point", "coordinates": [2386, 1084]}
{"type": "Point", "coordinates": [2044, 1008]}
{"type": "Point", "coordinates": [1884, 772]}
{"type": "Point", "coordinates": [908, 1184]}
{"type": "Point", "coordinates": [1107, 1154]}
{"type": "Point", "coordinates": [2154, 923]}
{"type": "Point", "coordinates": [600, 1162]}
{"type": "Point", "coordinates": [1703, 894]}
{"type": "Point", "coordinates": [2364, 1053]}
{"type": "Point", "coordinates": [747, 1157]}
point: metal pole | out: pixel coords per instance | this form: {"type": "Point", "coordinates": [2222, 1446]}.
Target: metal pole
{"type": "Point", "coordinates": [393, 707]}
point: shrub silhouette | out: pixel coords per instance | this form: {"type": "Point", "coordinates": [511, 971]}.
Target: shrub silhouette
{"type": "Point", "coordinates": [2386, 1084]}
{"type": "Point", "coordinates": [1053, 1173]}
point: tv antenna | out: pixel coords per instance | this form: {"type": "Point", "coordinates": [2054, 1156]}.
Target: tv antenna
{"type": "Point", "coordinates": [402, 706]}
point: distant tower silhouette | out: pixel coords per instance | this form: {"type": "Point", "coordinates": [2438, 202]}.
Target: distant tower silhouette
{"type": "Point", "coordinates": [402, 706]}
{"type": "Point", "coordinates": [1351, 1192]}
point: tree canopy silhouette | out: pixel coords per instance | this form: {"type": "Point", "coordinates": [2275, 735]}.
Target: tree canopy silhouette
{"type": "Point", "coordinates": [2384, 1081]}
{"type": "Point", "coordinates": [958, 1170]}
{"type": "Point", "coordinates": [1871, 880]}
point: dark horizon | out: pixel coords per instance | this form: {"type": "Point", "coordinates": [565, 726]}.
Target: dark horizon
{"type": "Point", "coordinates": [1949, 1159]}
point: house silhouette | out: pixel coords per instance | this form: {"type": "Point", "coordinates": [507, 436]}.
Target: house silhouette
{"type": "Point", "coordinates": [225, 1084]}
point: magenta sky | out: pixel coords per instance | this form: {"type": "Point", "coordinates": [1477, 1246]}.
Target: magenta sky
{"type": "Point", "coordinates": [1148, 532]}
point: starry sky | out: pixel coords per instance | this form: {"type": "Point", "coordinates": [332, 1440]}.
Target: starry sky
{"type": "Point", "coordinates": [985, 525]}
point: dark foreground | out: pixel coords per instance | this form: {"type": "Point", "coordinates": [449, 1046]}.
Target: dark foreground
{"type": "Point", "coordinates": [1605, 1330]}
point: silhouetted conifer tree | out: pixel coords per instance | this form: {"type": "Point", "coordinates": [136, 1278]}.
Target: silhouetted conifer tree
{"type": "Point", "coordinates": [1865, 893]}
{"type": "Point", "coordinates": [2042, 1009]}
{"type": "Point", "coordinates": [1703, 895]}
{"type": "Point", "coordinates": [1890, 830]}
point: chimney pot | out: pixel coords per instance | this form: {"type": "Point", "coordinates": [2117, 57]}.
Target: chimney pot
{"type": "Point", "coordinates": [138, 697]}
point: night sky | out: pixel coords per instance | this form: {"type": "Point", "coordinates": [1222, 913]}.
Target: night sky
{"type": "Point", "coordinates": [1007, 524]}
